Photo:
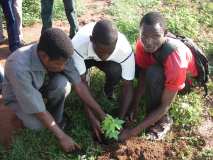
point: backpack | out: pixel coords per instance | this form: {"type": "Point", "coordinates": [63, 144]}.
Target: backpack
{"type": "Point", "coordinates": [200, 60]}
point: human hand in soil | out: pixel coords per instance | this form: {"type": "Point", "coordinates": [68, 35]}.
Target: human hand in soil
{"type": "Point", "coordinates": [126, 134]}
{"type": "Point", "coordinates": [96, 127]}
{"type": "Point", "coordinates": [68, 144]}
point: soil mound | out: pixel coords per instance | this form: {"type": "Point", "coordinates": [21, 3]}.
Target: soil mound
{"type": "Point", "coordinates": [136, 149]}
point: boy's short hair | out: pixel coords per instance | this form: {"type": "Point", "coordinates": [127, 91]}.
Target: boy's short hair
{"type": "Point", "coordinates": [105, 32]}
{"type": "Point", "coordinates": [152, 18]}
{"type": "Point", "coordinates": [55, 43]}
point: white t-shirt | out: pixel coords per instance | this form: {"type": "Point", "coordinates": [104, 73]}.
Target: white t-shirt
{"type": "Point", "coordinates": [122, 53]}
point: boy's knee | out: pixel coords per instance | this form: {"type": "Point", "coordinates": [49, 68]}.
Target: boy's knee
{"type": "Point", "coordinates": [30, 121]}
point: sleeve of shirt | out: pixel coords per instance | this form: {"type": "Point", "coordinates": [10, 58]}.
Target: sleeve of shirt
{"type": "Point", "coordinates": [175, 74]}
{"type": "Point", "coordinates": [79, 63]}
{"type": "Point", "coordinates": [28, 97]}
{"type": "Point", "coordinates": [71, 72]}
{"type": "Point", "coordinates": [128, 68]}
{"type": "Point", "coordinates": [138, 54]}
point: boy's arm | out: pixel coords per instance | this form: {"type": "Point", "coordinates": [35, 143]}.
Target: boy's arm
{"type": "Point", "coordinates": [66, 142]}
{"type": "Point", "coordinates": [126, 97]}
{"type": "Point", "coordinates": [138, 93]}
{"type": "Point", "coordinates": [95, 123]}
{"type": "Point", "coordinates": [84, 93]}
{"type": "Point", "coordinates": [166, 100]}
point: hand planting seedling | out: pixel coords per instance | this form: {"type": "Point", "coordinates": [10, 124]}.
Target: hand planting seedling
{"type": "Point", "coordinates": [111, 127]}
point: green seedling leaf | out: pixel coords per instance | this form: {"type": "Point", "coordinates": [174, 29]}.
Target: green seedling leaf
{"type": "Point", "coordinates": [111, 127]}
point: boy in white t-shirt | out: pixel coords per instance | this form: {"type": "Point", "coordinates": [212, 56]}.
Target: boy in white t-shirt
{"type": "Point", "coordinates": [101, 45]}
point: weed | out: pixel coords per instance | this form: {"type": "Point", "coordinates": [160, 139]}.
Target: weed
{"type": "Point", "coordinates": [80, 7]}
{"type": "Point", "coordinates": [127, 22]}
{"type": "Point", "coordinates": [206, 10]}
{"type": "Point", "coordinates": [187, 109]}
{"type": "Point", "coordinates": [206, 154]}
{"type": "Point", "coordinates": [182, 22]}
{"type": "Point", "coordinates": [31, 11]}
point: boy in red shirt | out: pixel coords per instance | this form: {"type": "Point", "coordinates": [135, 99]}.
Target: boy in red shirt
{"type": "Point", "coordinates": [158, 82]}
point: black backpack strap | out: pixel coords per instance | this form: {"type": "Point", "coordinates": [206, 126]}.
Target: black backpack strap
{"type": "Point", "coordinates": [78, 53]}
{"type": "Point", "coordinates": [127, 57]}
{"type": "Point", "coordinates": [162, 53]}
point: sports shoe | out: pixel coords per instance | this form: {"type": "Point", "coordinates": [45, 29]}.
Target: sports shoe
{"type": "Point", "coordinates": [161, 128]}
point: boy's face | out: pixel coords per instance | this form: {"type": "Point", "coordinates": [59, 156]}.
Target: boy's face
{"type": "Point", "coordinates": [152, 37]}
{"type": "Point", "coordinates": [53, 65]}
{"type": "Point", "coordinates": [103, 51]}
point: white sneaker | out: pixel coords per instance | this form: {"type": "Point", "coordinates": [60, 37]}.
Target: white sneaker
{"type": "Point", "coordinates": [161, 128]}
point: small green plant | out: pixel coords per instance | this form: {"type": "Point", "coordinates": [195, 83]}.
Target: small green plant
{"type": "Point", "coordinates": [186, 110]}
{"type": "Point", "coordinates": [206, 154]}
{"type": "Point", "coordinates": [111, 126]}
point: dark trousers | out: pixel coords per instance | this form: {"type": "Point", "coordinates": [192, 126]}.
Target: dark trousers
{"type": "Point", "coordinates": [154, 85]}
{"type": "Point", "coordinates": [12, 30]}
{"type": "Point", "coordinates": [112, 71]}
{"type": "Point", "coordinates": [46, 15]}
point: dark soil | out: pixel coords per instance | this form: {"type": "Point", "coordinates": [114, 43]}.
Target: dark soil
{"type": "Point", "coordinates": [137, 149]}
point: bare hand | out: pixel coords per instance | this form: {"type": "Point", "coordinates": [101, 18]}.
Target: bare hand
{"type": "Point", "coordinates": [97, 129]}
{"type": "Point", "coordinates": [126, 134]}
{"type": "Point", "coordinates": [68, 144]}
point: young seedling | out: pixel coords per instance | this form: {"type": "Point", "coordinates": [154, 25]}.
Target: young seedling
{"type": "Point", "coordinates": [111, 127]}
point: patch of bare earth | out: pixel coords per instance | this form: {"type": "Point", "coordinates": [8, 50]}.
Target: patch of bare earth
{"type": "Point", "coordinates": [206, 131]}
{"type": "Point", "coordinates": [95, 10]}
{"type": "Point", "coordinates": [137, 149]}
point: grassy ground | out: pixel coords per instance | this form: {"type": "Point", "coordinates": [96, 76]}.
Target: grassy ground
{"type": "Point", "coordinates": [192, 18]}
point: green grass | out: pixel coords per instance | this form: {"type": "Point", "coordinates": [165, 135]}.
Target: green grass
{"type": "Point", "coordinates": [206, 154]}
{"type": "Point", "coordinates": [188, 17]}
{"type": "Point", "coordinates": [187, 109]}
{"type": "Point", "coordinates": [32, 10]}
{"type": "Point", "coordinates": [59, 12]}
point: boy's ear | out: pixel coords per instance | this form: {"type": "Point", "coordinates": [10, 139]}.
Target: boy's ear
{"type": "Point", "coordinates": [44, 56]}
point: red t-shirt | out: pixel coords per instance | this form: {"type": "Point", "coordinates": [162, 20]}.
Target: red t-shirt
{"type": "Point", "coordinates": [177, 65]}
